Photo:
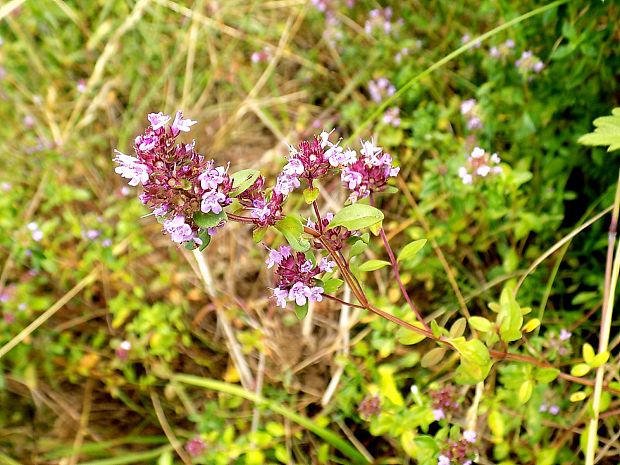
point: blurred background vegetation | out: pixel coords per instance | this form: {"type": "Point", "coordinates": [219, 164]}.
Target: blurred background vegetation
{"type": "Point", "coordinates": [77, 79]}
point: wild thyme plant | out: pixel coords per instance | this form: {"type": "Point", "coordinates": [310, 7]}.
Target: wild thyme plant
{"type": "Point", "coordinates": [193, 198]}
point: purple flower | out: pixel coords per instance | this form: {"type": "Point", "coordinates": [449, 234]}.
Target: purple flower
{"type": "Point", "coordinates": [276, 256]}
{"type": "Point", "coordinates": [293, 168]}
{"type": "Point", "coordinates": [195, 447]}
{"type": "Point", "coordinates": [286, 184]}
{"type": "Point", "coordinates": [131, 168]}
{"type": "Point", "coordinates": [369, 173]}
{"type": "Point", "coordinates": [470, 436]}
{"type": "Point", "coordinates": [315, 294]}
{"type": "Point", "coordinates": [443, 460]}
{"type": "Point", "coordinates": [391, 116]}
{"type": "Point", "coordinates": [380, 89]}
{"type": "Point", "coordinates": [543, 408]}
{"type": "Point", "coordinates": [479, 165]}
{"type": "Point", "coordinates": [554, 410]}
{"type": "Point", "coordinates": [299, 293]}
{"type": "Point", "coordinates": [565, 335]}
{"type": "Point", "coordinates": [93, 234]}
{"type": "Point", "coordinates": [326, 265]}
{"type": "Point", "coordinates": [213, 177]}
{"type": "Point", "coordinates": [306, 266]}
{"type": "Point", "coordinates": [212, 201]}
{"type": "Point", "coordinates": [158, 120]}
{"type": "Point", "coordinates": [439, 414]}
{"type": "Point", "coordinates": [281, 296]}
{"type": "Point", "coordinates": [179, 230]}
{"type": "Point", "coordinates": [181, 124]}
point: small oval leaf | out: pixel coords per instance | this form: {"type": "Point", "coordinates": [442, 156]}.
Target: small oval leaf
{"type": "Point", "coordinates": [580, 369]}
{"type": "Point", "coordinates": [480, 323]}
{"type": "Point", "coordinates": [433, 357]}
{"type": "Point", "coordinates": [356, 216]}
{"type": "Point", "coordinates": [411, 250]}
{"type": "Point", "coordinates": [372, 265]}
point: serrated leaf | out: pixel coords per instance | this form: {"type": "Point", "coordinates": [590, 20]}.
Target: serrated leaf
{"type": "Point", "coordinates": [209, 220]}
{"type": "Point", "coordinates": [433, 357]}
{"type": "Point", "coordinates": [292, 229]}
{"type": "Point", "coordinates": [580, 369]}
{"type": "Point", "coordinates": [525, 391]}
{"type": "Point", "coordinates": [301, 311]}
{"type": "Point", "coordinates": [310, 195]}
{"type": "Point", "coordinates": [372, 265]}
{"type": "Point", "coordinates": [356, 216]}
{"type": "Point", "coordinates": [588, 353]}
{"type": "Point", "coordinates": [480, 323]}
{"type": "Point", "coordinates": [411, 250]}
{"type": "Point", "coordinates": [607, 132]}
{"type": "Point", "coordinates": [546, 375]}
{"type": "Point", "coordinates": [408, 337]}
{"type": "Point", "coordinates": [242, 180]}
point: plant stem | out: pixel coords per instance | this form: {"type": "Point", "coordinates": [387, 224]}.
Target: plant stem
{"type": "Point", "coordinates": [611, 280]}
{"type": "Point", "coordinates": [396, 271]}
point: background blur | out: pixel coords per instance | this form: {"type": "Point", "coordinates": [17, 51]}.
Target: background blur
{"type": "Point", "coordinates": [92, 384]}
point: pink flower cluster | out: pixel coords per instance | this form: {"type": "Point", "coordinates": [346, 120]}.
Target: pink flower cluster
{"type": "Point", "coordinates": [444, 402]}
{"type": "Point", "coordinates": [380, 88]}
{"type": "Point", "coordinates": [502, 50]}
{"type": "Point", "coordinates": [480, 164]}
{"type": "Point", "coordinates": [177, 181]}
{"type": "Point", "coordinates": [380, 19]}
{"type": "Point", "coordinates": [529, 63]}
{"type": "Point", "coordinates": [265, 208]}
{"type": "Point", "coordinates": [295, 276]}
{"type": "Point", "coordinates": [471, 111]}
{"type": "Point", "coordinates": [459, 452]}
{"type": "Point", "coordinates": [369, 173]}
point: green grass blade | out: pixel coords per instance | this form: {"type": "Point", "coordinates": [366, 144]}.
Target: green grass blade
{"type": "Point", "coordinates": [325, 434]}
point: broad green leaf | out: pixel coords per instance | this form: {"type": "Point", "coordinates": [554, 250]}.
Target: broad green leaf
{"type": "Point", "coordinates": [372, 265]}
{"type": "Point", "coordinates": [480, 324]}
{"type": "Point", "coordinates": [310, 195]}
{"type": "Point", "coordinates": [356, 216]}
{"type": "Point", "coordinates": [496, 424]}
{"type": "Point", "coordinates": [301, 311]}
{"type": "Point", "coordinates": [209, 220]}
{"type": "Point", "coordinates": [258, 234]}
{"type": "Point", "coordinates": [357, 248]}
{"type": "Point", "coordinates": [242, 180]}
{"type": "Point", "coordinates": [292, 229]}
{"type": "Point", "coordinates": [607, 132]}
{"type": "Point", "coordinates": [435, 328]}
{"type": "Point", "coordinates": [433, 357]}
{"type": "Point", "coordinates": [588, 353]}
{"type": "Point", "coordinates": [411, 250]}
{"type": "Point", "coordinates": [408, 337]}
{"type": "Point", "coordinates": [510, 316]}
{"type": "Point", "coordinates": [546, 375]}
{"type": "Point", "coordinates": [580, 369]}
{"type": "Point", "coordinates": [525, 391]}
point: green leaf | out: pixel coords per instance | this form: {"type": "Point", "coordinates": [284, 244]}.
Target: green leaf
{"type": "Point", "coordinates": [357, 248]}
{"type": "Point", "coordinates": [580, 369]}
{"type": "Point", "coordinates": [301, 311]}
{"type": "Point", "coordinates": [258, 234]}
{"type": "Point", "coordinates": [209, 220]}
{"type": "Point", "coordinates": [577, 396]}
{"type": "Point", "coordinates": [588, 353]}
{"type": "Point", "coordinates": [372, 265]}
{"type": "Point", "coordinates": [204, 236]}
{"type": "Point", "coordinates": [510, 316]}
{"type": "Point", "coordinates": [387, 383]}
{"type": "Point", "coordinates": [531, 325]}
{"type": "Point", "coordinates": [357, 216]}
{"type": "Point", "coordinates": [332, 285]}
{"type": "Point", "coordinates": [607, 132]}
{"type": "Point", "coordinates": [475, 361]}
{"type": "Point", "coordinates": [408, 337]}
{"type": "Point", "coordinates": [310, 195]}
{"type": "Point", "coordinates": [411, 250]}
{"type": "Point", "coordinates": [600, 359]}
{"type": "Point", "coordinates": [242, 181]}
{"type": "Point", "coordinates": [433, 357]}
{"type": "Point", "coordinates": [480, 324]}
{"type": "Point", "coordinates": [292, 229]}
{"type": "Point", "coordinates": [435, 328]}
{"type": "Point", "coordinates": [458, 328]}
{"type": "Point", "coordinates": [546, 375]}
{"type": "Point", "coordinates": [525, 391]}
